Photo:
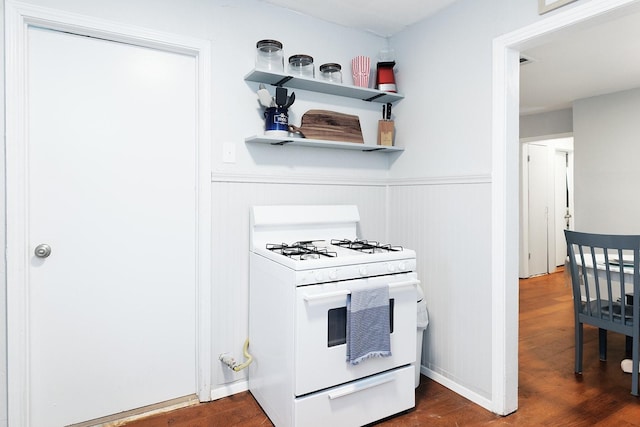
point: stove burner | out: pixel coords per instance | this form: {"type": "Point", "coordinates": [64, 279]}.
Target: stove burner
{"type": "Point", "coordinates": [304, 250]}
{"type": "Point", "coordinates": [367, 246]}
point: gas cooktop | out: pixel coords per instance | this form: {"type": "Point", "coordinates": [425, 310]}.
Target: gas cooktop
{"type": "Point", "coordinates": [318, 237]}
{"type": "Point", "coordinates": [317, 249]}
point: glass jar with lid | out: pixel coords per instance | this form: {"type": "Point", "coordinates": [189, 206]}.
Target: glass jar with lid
{"type": "Point", "coordinates": [269, 56]}
{"type": "Point", "coordinates": [331, 72]}
{"type": "Point", "coordinates": [301, 65]}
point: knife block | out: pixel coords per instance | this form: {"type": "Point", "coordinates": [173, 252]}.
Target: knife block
{"type": "Point", "coordinates": [385, 132]}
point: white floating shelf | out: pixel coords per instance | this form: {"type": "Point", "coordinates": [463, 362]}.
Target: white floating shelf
{"type": "Point", "coordinates": [320, 86]}
{"type": "Point", "coordinates": [319, 143]}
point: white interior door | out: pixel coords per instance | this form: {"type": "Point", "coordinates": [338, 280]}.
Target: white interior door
{"type": "Point", "coordinates": [538, 209]}
{"type": "Point", "coordinates": [111, 182]}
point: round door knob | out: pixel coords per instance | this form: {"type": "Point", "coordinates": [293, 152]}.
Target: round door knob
{"type": "Point", "coordinates": [43, 250]}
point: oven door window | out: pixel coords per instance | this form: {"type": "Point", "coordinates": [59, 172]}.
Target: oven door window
{"type": "Point", "coordinates": [337, 323]}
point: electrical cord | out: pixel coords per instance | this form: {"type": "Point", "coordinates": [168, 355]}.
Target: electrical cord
{"type": "Point", "coordinates": [231, 363]}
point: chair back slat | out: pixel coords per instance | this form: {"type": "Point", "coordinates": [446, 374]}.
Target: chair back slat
{"type": "Point", "coordinates": [605, 280]}
{"type": "Point", "coordinates": [605, 277]}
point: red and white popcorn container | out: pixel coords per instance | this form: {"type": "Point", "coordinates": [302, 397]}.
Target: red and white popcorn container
{"type": "Point", "coordinates": [361, 69]}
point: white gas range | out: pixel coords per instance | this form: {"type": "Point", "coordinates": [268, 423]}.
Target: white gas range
{"type": "Point", "coordinates": [305, 262]}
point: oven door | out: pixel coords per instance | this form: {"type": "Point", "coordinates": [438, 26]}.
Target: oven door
{"type": "Point", "coordinates": [320, 332]}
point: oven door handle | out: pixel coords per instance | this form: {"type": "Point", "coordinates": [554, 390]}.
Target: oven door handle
{"type": "Point", "coordinates": [394, 285]}
{"type": "Point", "coordinates": [343, 292]}
{"type": "Point", "coordinates": [360, 386]}
{"type": "Point", "coordinates": [326, 295]}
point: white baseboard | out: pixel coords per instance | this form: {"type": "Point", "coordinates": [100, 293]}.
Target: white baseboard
{"type": "Point", "coordinates": [229, 389]}
{"type": "Point", "coordinates": [457, 388]}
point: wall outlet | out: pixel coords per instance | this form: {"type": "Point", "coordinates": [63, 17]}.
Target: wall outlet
{"type": "Point", "coordinates": [229, 152]}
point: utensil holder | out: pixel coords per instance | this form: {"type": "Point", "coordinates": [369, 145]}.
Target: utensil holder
{"type": "Point", "coordinates": [276, 121]}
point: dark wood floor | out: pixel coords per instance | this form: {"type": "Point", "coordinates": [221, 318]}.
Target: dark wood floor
{"type": "Point", "coordinates": [549, 393]}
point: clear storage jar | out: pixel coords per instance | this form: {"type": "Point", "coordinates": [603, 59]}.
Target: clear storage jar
{"type": "Point", "coordinates": [301, 65]}
{"type": "Point", "coordinates": [269, 56]}
{"type": "Point", "coordinates": [331, 72]}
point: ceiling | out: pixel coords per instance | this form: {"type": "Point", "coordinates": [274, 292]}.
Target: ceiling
{"type": "Point", "coordinates": [365, 14]}
{"type": "Point", "coordinates": [599, 59]}
{"type": "Point", "coordinates": [596, 60]}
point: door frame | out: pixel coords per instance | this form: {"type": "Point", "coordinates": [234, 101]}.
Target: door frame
{"type": "Point", "coordinates": [505, 182]}
{"type": "Point", "coordinates": [568, 193]}
{"type": "Point", "coordinates": [18, 18]}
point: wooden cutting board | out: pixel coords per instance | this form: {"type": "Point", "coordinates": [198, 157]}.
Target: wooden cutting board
{"type": "Point", "coordinates": [332, 126]}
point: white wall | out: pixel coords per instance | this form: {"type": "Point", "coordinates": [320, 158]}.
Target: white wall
{"type": "Point", "coordinates": [234, 27]}
{"type": "Point", "coordinates": [439, 198]}
{"type": "Point", "coordinates": [606, 130]}
{"type": "Point", "coordinates": [544, 124]}
{"type": "Point", "coordinates": [444, 183]}
{"type": "Point", "coordinates": [3, 241]}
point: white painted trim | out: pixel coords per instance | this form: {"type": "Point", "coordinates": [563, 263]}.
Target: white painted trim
{"type": "Point", "coordinates": [345, 180]}
{"type": "Point", "coordinates": [504, 242]}
{"type": "Point", "coordinates": [523, 200]}
{"type": "Point", "coordinates": [441, 180]}
{"type": "Point", "coordinates": [18, 18]}
{"type": "Point", "coordinates": [17, 267]}
{"type": "Point", "coordinates": [302, 179]}
{"type": "Point", "coordinates": [203, 53]}
{"type": "Point", "coordinates": [476, 398]}
{"type": "Point", "coordinates": [505, 193]}
{"type": "Point", "coordinates": [229, 389]}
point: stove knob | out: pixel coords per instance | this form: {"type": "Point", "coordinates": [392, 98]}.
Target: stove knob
{"type": "Point", "coordinates": [402, 266]}
{"type": "Point", "coordinates": [391, 268]}
{"type": "Point", "coordinates": [363, 271]}
{"type": "Point", "coordinates": [333, 274]}
{"type": "Point", "coordinates": [318, 275]}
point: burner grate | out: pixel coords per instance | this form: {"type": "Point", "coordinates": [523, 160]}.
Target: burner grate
{"type": "Point", "coordinates": [301, 250]}
{"type": "Point", "coordinates": [367, 246]}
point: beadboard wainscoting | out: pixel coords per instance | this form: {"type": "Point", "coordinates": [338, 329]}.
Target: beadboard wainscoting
{"type": "Point", "coordinates": [445, 221]}
{"type": "Point", "coordinates": [231, 200]}
{"type": "Point", "coordinates": [453, 247]}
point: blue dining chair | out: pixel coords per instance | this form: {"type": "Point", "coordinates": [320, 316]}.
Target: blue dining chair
{"type": "Point", "coordinates": [605, 278]}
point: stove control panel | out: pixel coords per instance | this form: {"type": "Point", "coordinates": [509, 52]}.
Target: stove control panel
{"type": "Point", "coordinates": [356, 271]}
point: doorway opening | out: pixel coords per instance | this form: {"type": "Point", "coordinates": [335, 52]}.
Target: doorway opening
{"type": "Point", "coordinates": [505, 182]}
{"type": "Point", "coordinates": [546, 203]}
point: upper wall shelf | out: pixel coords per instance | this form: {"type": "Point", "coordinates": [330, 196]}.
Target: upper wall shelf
{"type": "Point", "coordinates": [303, 83]}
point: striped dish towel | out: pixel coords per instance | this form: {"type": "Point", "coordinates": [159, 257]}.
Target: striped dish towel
{"type": "Point", "coordinates": [368, 332]}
